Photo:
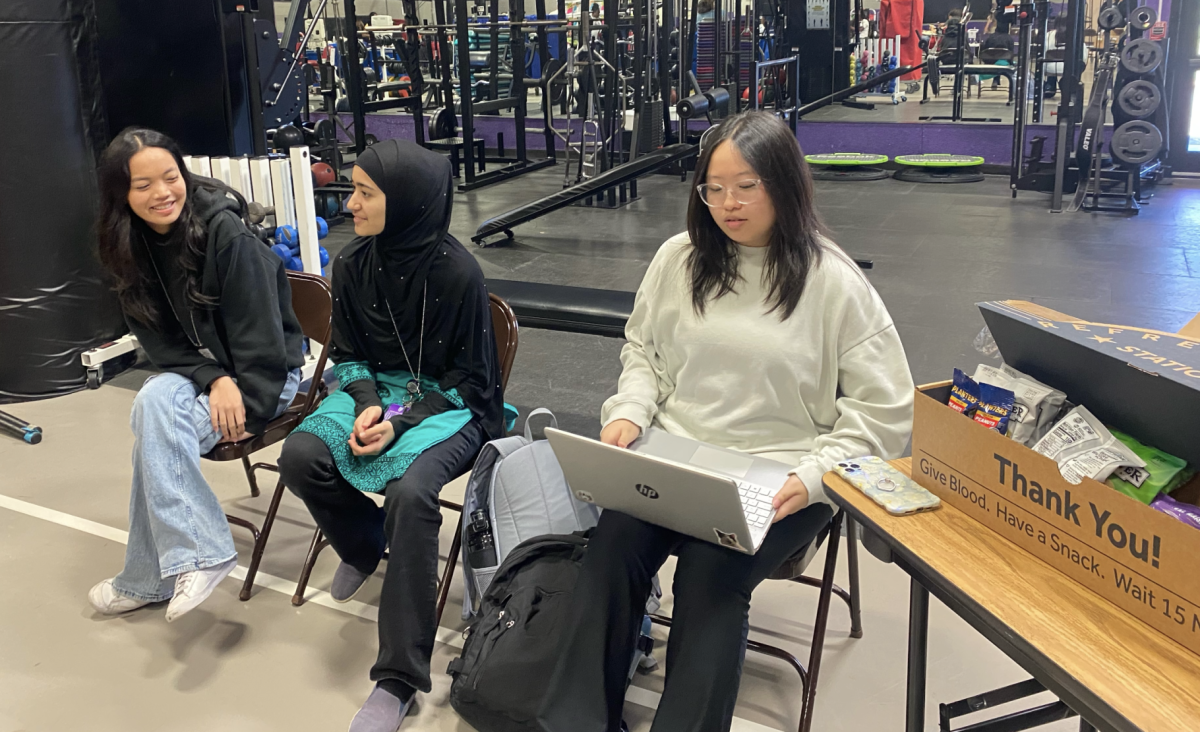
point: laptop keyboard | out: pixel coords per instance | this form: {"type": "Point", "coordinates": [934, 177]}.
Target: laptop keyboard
{"type": "Point", "coordinates": [756, 500]}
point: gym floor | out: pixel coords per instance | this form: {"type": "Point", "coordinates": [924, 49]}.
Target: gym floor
{"type": "Point", "coordinates": [266, 665]}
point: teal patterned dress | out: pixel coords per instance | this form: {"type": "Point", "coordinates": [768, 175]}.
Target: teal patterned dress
{"type": "Point", "coordinates": [333, 423]}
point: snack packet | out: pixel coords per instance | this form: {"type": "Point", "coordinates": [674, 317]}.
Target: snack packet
{"type": "Point", "coordinates": [995, 408]}
{"type": "Point", "coordinates": [1084, 448]}
{"type": "Point", "coordinates": [964, 393]}
{"type": "Point", "coordinates": [1185, 512]}
{"type": "Point", "coordinates": [1163, 472]}
{"type": "Point", "coordinates": [1034, 403]}
{"type": "Point", "coordinates": [1049, 407]}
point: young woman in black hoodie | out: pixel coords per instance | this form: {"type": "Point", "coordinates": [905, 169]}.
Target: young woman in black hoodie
{"type": "Point", "coordinates": [212, 308]}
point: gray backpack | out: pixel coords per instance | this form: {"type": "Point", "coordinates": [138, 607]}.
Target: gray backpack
{"type": "Point", "coordinates": [516, 492]}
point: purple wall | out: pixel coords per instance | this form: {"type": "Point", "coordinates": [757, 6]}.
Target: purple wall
{"type": "Point", "coordinates": [993, 142]}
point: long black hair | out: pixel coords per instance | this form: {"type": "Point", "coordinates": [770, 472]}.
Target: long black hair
{"type": "Point", "coordinates": [795, 247]}
{"type": "Point", "coordinates": [122, 233]}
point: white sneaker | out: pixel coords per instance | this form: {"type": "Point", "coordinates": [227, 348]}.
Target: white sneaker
{"type": "Point", "coordinates": [107, 601]}
{"type": "Point", "coordinates": [193, 588]}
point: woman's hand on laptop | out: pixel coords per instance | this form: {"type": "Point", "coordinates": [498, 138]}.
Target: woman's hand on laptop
{"type": "Point", "coordinates": [792, 497]}
{"type": "Point", "coordinates": [621, 432]}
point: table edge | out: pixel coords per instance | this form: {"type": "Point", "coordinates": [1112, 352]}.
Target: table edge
{"type": "Point", "coordinates": [1070, 690]}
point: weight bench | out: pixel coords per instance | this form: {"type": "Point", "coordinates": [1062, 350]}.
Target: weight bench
{"type": "Point", "coordinates": [573, 309]}
{"type": "Point", "coordinates": [565, 308]}
{"type": "Point", "coordinates": [455, 145]}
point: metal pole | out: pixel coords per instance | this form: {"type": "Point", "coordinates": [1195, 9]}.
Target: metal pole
{"type": "Point", "coordinates": [1040, 31]}
{"type": "Point", "coordinates": [354, 83]}
{"type": "Point", "coordinates": [254, 82]}
{"type": "Point", "coordinates": [640, 83]}
{"type": "Point", "coordinates": [412, 64]}
{"type": "Point", "coordinates": [1068, 89]}
{"type": "Point", "coordinates": [445, 54]}
{"type": "Point", "coordinates": [1025, 14]}
{"type": "Point", "coordinates": [516, 40]}
{"type": "Point", "coordinates": [737, 34]}
{"type": "Point", "coordinates": [611, 77]}
{"type": "Point", "coordinates": [494, 56]}
{"type": "Point", "coordinates": [464, 91]}
{"type": "Point", "coordinates": [918, 655]}
{"type": "Point", "coordinates": [956, 113]}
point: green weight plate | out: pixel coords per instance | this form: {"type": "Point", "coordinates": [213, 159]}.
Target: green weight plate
{"type": "Point", "coordinates": [845, 159]}
{"type": "Point", "coordinates": [939, 160]}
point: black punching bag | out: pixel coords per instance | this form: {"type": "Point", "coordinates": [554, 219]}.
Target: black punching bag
{"type": "Point", "coordinates": [55, 302]}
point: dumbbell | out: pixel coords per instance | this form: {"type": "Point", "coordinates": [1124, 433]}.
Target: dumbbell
{"type": "Point", "coordinates": [286, 253]}
{"type": "Point", "coordinates": [260, 232]}
{"type": "Point", "coordinates": [257, 213]}
{"type": "Point", "coordinates": [287, 235]}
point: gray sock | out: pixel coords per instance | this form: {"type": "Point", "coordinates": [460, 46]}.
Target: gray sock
{"type": "Point", "coordinates": [381, 712]}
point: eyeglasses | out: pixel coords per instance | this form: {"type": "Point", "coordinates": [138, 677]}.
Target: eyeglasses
{"type": "Point", "coordinates": [744, 192]}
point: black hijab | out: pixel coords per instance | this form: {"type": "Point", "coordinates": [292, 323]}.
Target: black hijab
{"type": "Point", "coordinates": [416, 267]}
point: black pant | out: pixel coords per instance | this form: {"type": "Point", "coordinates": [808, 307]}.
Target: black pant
{"type": "Point", "coordinates": [710, 623]}
{"type": "Point", "coordinates": [408, 524]}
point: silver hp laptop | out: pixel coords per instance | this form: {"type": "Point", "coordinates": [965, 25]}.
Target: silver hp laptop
{"type": "Point", "coordinates": [718, 495]}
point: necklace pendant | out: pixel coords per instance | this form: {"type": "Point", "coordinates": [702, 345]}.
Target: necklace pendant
{"type": "Point", "coordinates": [413, 386]}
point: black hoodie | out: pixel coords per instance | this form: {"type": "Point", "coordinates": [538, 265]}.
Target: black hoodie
{"type": "Point", "coordinates": [251, 334]}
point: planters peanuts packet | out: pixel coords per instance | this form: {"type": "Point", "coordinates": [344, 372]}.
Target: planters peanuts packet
{"type": "Point", "coordinates": [995, 406]}
{"type": "Point", "coordinates": [964, 393]}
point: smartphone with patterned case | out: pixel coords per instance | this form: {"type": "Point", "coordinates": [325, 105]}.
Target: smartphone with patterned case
{"type": "Point", "coordinates": [895, 491]}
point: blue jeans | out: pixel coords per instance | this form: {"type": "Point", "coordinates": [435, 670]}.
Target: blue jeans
{"type": "Point", "coordinates": [176, 524]}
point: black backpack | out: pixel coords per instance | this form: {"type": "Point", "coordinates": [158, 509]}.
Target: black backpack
{"type": "Point", "coordinates": [514, 643]}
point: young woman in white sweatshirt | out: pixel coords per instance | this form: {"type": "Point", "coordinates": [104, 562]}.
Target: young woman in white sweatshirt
{"type": "Point", "coordinates": [754, 332]}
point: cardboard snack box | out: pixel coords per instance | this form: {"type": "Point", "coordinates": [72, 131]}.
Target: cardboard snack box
{"type": "Point", "coordinates": [1142, 560]}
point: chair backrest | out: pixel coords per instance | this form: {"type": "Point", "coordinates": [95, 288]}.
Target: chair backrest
{"type": "Point", "coordinates": [992, 55]}
{"type": "Point", "coordinates": [312, 301]}
{"type": "Point", "coordinates": [504, 323]}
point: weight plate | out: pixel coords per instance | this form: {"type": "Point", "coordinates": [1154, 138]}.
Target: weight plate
{"type": "Point", "coordinates": [1110, 18]}
{"type": "Point", "coordinates": [1136, 142]}
{"type": "Point", "coordinates": [1139, 99]}
{"type": "Point", "coordinates": [1142, 56]}
{"type": "Point", "coordinates": [1143, 18]}
{"type": "Point", "coordinates": [444, 124]}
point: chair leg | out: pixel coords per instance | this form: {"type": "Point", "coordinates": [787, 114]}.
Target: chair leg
{"type": "Point", "coordinates": [856, 629]}
{"type": "Point", "coordinates": [314, 549]}
{"type": "Point", "coordinates": [254, 491]}
{"type": "Point", "coordinates": [451, 562]}
{"type": "Point", "coordinates": [818, 642]}
{"type": "Point", "coordinates": [260, 542]}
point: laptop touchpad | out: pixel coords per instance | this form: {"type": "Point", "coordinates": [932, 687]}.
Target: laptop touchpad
{"type": "Point", "coordinates": [721, 461]}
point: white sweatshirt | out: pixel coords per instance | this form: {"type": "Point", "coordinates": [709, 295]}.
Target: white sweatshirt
{"type": "Point", "coordinates": [829, 383]}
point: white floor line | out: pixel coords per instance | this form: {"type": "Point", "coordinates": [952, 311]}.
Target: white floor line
{"type": "Point", "coordinates": [449, 636]}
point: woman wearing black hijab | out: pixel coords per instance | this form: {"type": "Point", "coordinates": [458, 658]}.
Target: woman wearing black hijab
{"type": "Point", "coordinates": [419, 393]}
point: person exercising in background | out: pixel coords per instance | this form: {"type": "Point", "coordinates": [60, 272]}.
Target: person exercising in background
{"type": "Point", "coordinates": [212, 308]}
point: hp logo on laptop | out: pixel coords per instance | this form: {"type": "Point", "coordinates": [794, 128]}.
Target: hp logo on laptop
{"type": "Point", "coordinates": [646, 491]}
